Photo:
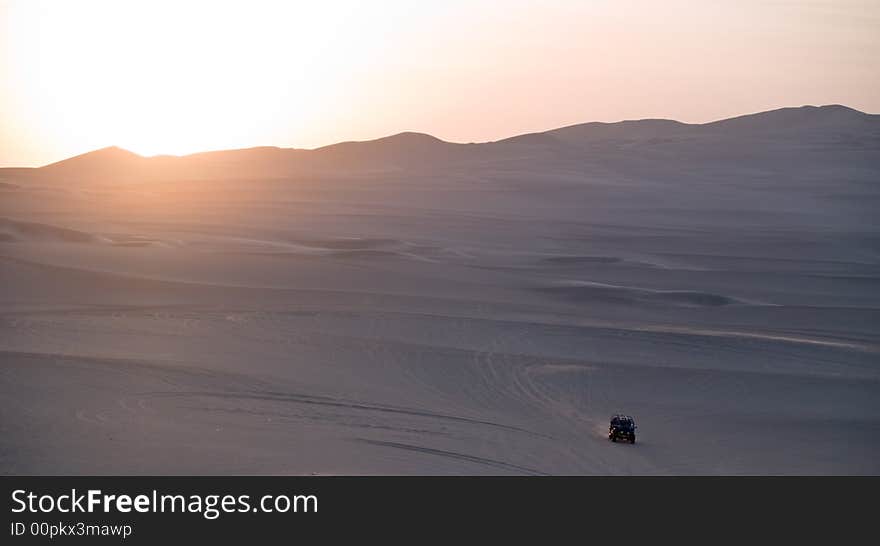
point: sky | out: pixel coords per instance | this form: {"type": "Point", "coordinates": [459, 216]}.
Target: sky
{"type": "Point", "coordinates": [176, 77]}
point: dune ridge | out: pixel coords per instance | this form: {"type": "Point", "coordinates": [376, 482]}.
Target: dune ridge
{"type": "Point", "coordinates": [410, 150]}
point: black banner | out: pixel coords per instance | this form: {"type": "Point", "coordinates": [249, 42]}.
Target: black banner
{"type": "Point", "coordinates": [415, 509]}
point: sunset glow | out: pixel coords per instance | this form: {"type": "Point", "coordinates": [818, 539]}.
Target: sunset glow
{"type": "Point", "coordinates": [178, 77]}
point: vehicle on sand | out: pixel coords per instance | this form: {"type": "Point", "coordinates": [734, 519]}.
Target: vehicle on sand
{"type": "Point", "coordinates": [622, 427]}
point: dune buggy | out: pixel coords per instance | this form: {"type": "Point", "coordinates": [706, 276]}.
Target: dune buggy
{"type": "Point", "coordinates": [622, 427]}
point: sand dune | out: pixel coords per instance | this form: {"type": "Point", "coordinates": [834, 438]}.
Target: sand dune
{"type": "Point", "coordinates": [590, 292]}
{"type": "Point", "coordinates": [834, 129]}
{"type": "Point", "coordinates": [413, 306]}
{"type": "Point", "coordinates": [15, 231]}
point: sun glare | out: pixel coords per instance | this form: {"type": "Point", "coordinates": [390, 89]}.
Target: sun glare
{"type": "Point", "coordinates": [178, 77]}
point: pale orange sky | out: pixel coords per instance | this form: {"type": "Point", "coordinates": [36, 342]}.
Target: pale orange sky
{"type": "Point", "coordinates": [179, 77]}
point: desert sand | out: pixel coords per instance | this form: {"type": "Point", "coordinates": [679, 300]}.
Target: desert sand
{"type": "Point", "coordinates": [413, 306]}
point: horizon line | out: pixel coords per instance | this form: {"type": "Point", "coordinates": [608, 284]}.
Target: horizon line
{"type": "Point", "coordinates": [409, 132]}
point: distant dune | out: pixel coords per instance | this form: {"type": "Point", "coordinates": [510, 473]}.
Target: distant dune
{"type": "Point", "coordinates": [843, 128]}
